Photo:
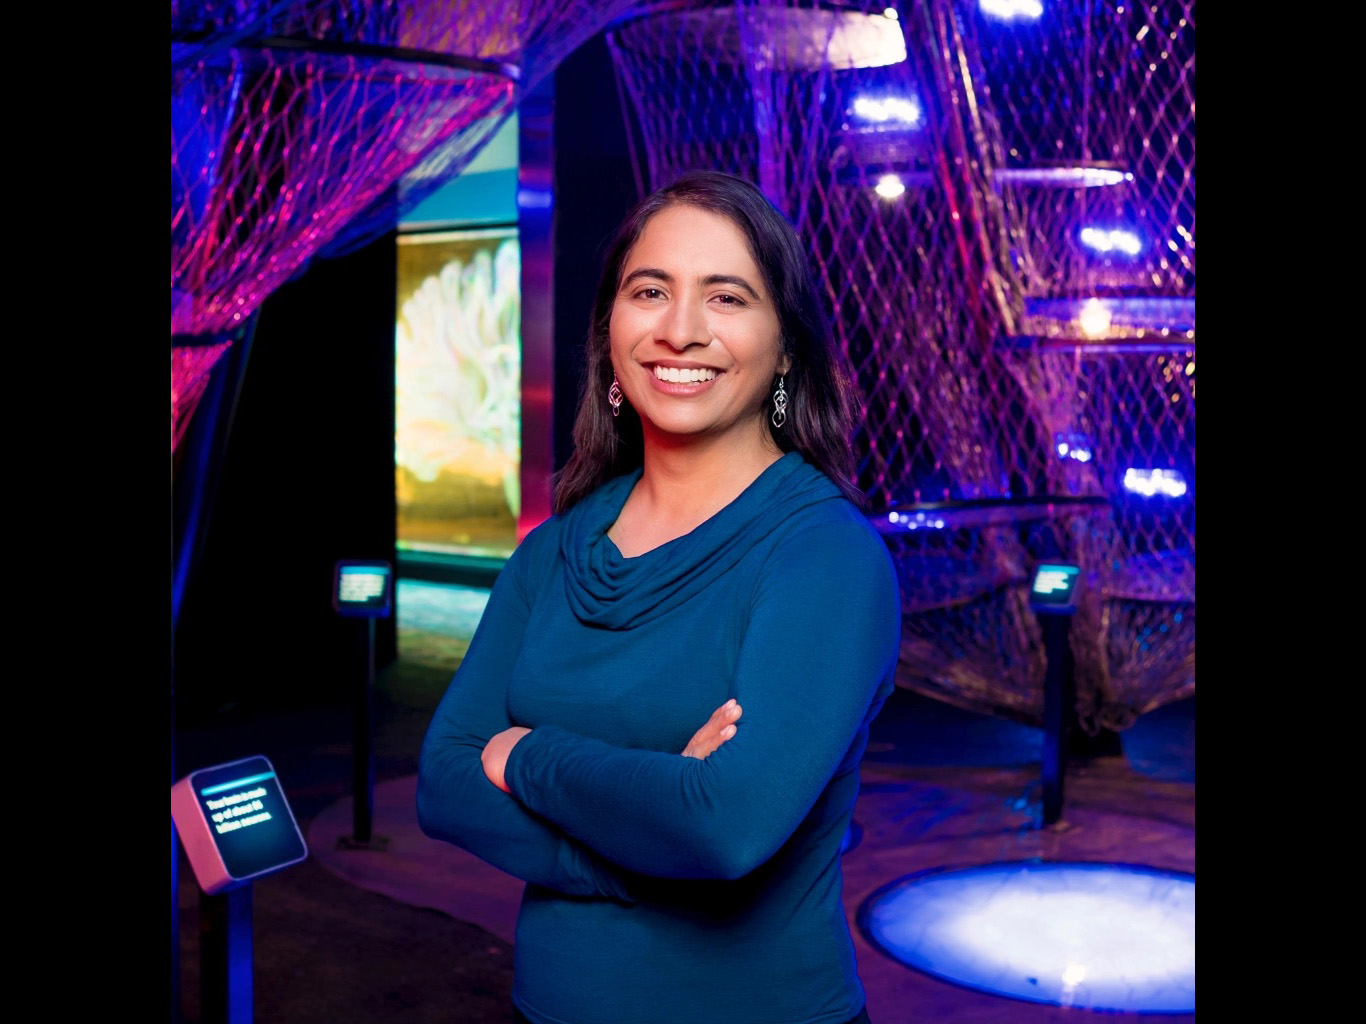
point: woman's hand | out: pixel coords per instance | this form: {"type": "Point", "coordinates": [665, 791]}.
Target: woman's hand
{"type": "Point", "coordinates": [715, 731]}
{"type": "Point", "coordinates": [495, 755]}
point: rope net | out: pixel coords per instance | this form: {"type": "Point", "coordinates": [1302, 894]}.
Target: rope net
{"type": "Point", "coordinates": [302, 128]}
{"type": "Point", "coordinates": [1001, 213]}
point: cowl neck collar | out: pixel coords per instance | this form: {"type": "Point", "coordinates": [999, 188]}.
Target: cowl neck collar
{"type": "Point", "coordinates": [606, 589]}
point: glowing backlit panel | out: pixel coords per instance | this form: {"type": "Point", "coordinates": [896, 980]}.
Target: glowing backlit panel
{"type": "Point", "coordinates": [363, 589]}
{"type": "Point", "coordinates": [1055, 588]}
{"type": "Point", "coordinates": [458, 379]}
{"type": "Point", "coordinates": [235, 824]}
{"type": "Point", "coordinates": [1108, 937]}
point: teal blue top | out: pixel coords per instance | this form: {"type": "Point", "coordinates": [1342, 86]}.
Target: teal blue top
{"type": "Point", "coordinates": [664, 889]}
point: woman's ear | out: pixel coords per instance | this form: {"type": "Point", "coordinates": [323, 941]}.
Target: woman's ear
{"type": "Point", "coordinates": [784, 363]}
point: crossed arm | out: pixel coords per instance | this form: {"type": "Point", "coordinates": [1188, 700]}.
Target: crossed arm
{"type": "Point", "coordinates": [715, 731]}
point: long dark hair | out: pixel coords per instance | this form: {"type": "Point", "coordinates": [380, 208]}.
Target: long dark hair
{"type": "Point", "coordinates": [820, 394]}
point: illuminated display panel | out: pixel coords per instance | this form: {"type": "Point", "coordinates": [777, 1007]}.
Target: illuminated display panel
{"type": "Point", "coordinates": [458, 375]}
{"type": "Point", "coordinates": [235, 823]}
{"type": "Point", "coordinates": [1055, 588]}
{"type": "Point", "coordinates": [363, 589]}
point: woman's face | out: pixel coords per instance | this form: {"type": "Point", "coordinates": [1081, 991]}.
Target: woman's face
{"type": "Point", "coordinates": [695, 337]}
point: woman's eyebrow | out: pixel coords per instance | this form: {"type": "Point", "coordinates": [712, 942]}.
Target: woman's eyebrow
{"type": "Point", "coordinates": [739, 282]}
{"type": "Point", "coordinates": [711, 279]}
{"type": "Point", "coordinates": [654, 272]}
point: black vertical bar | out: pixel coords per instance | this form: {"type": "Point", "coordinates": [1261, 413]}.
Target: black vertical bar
{"type": "Point", "coordinates": [1057, 711]}
{"type": "Point", "coordinates": [225, 950]}
{"type": "Point", "coordinates": [363, 767]}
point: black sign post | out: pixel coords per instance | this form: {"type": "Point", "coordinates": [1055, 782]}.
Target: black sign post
{"type": "Point", "coordinates": [363, 589]}
{"type": "Point", "coordinates": [235, 826]}
{"type": "Point", "coordinates": [1053, 596]}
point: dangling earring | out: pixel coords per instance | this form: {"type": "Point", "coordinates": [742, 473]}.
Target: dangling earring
{"type": "Point", "coordinates": [779, 416]}
{"type": "Point", "coordinates": [614, 395]}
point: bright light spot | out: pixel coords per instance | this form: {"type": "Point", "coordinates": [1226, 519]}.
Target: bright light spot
{"type": "Point", "coordinates": [1168, 483]}
{"type": "Point", "coordinates": [890, 12]}
{"type": "Point", "coordinates": [1050, 581]}
{"type": "Point", "coordinates": [887, 108]}
{"type": "Point", "coordinates": [1119, 239]}
{"type": "Point", "coordinates": [1106, 937]}
{"type": "Point", "coordinates": [1012, 10]}
{"type": "Point", "coordinates": [1073, 446]}
{"type": "Point", "coordinates": [1083, 177]}
{"type": "Point", "coordinates": [1094, 318]}
{"type": "Point", "coordinates": [889, 186]}
{"type": "Point", "coordinates": [915, 521]}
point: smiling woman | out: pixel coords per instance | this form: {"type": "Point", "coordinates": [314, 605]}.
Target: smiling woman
{"type": "Point", "coordinates": [679, 820]}
{"type": "Point", "coordinates": [697, 346]}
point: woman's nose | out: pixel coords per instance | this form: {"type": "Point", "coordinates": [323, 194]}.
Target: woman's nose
{"type": "Point", "coordinates": [684, 325]}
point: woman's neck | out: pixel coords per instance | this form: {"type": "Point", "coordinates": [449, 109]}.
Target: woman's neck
{"type": "Point", "coordinates": [682, 486]}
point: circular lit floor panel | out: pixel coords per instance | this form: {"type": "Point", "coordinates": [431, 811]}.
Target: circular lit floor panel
{"type": "Point", "coordinates": [1106, 937]}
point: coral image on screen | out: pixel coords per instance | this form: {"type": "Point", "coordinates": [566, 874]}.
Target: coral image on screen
{"type": "Point", "coordinates": [458, 391]}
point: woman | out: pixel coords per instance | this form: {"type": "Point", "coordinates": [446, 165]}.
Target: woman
{"type": "Point", "coordinates": [659, 721]}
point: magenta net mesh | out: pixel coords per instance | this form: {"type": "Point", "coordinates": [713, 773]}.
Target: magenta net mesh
{"type": "Point", "coordinates": [298, 126]}
{"type": "Point", "coordinates": [942, 166]}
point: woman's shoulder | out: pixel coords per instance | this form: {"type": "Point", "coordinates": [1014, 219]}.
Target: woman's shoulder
{"type": "Point", "coordinates": [535, 554]}
{"type": "Point", "coordinates": [830, 521]}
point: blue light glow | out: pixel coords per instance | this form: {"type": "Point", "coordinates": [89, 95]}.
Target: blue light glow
{"type": "Point", "coordinates": [1109, 937]}
{"type": "Point", "coordinates": [530, 197]}
{"type": "Point", "coordinates": [1011, 10]}
{"type": "Point", "coordinates": [1073, 446]}
{"type": "Point", "coordinates": [1111, 240]}
{"type": "Point", "coordinates": [1149, 483]}
{"type": "Point", "coordinates": [884, 109]}
{"type": "Point", "coordinates": [246, 780]}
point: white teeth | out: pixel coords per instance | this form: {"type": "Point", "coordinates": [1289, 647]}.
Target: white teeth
{"type": "Point", "coordinates": [674, 375]}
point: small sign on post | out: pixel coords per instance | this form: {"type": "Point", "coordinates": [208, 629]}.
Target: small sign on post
{"type": "Point", "coordinates": [363, 588]}
{"type": "Point", "coordinates": [235, 826]}
{"type": "Point", "coordinates": [1053, 596]}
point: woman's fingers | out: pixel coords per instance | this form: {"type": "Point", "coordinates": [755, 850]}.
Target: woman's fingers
{"type": "Point", "coordinates": [715, 731]}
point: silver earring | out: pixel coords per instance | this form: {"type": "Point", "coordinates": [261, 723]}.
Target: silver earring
{"type": "Point", "coordinates": [779, 416]}
{"type": "Point", "coordinates": [614, 396]}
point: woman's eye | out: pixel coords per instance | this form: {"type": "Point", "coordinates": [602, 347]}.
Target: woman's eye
{"type": "Point", "coordinates": [730, 300]}
{"type": "Point", "coordinates": [649, 293]}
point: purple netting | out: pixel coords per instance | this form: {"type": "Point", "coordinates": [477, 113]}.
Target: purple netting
{"type": "Point", "coordinates": [942, 166]}
{"type": "Point", "coordinates": [190, 370]}
{"type": "Point", "coordinates": [300, 128]}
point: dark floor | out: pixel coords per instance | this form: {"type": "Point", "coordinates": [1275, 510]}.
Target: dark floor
{"type": "Point", "coordinates": [418, 932]}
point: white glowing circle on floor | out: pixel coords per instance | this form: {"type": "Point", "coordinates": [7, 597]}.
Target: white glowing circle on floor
{"type": "Point", "coordinates": [1110, 937]}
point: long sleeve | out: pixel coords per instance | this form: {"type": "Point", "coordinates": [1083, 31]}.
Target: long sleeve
{"type": "Point", "coordinates": [455, 801]}
{"type": "Point", "coordinates": [815, 663]}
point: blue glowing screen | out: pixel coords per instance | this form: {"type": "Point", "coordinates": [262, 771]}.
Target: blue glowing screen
{"type": "Point", "coordinates": [248, 817]}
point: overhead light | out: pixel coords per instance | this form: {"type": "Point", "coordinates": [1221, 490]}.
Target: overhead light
{"type": "Point", "coordinates": [1111, 240]}
{"type": "Point", "coordinates": [1094, 318]}
{"type": "Point", "coordinates": [889, 186]}
{"type": "Point", "coordinates": [1011, 10]}
{"type": "Point", "coordinates": [884, 109]}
